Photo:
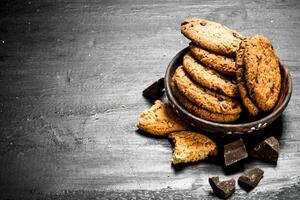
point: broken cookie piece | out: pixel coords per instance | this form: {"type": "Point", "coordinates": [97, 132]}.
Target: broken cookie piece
{"type": "Point", "coordinates": [160, 120]}
{"type": "Point", "coordinates": [155, 90]}
{"type": "Point", "coordinates": [250, 178]}
{"type": "Point", "coordinates": [191, 147]}
{"type": "Point", "coordinates": [267, 150]}
{"type": "Point", "coordinates": [222, 189]}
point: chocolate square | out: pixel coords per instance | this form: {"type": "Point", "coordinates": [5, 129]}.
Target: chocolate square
{"type": "Point", "coordinates": [267, 150]}
{"type": "Point", "coordinates": [234, 152]}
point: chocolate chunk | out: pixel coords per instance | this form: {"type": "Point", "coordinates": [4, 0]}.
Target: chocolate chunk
{"type": "Point", "coordinates": [266, 150]}
{"type": "Point", "coordinates": [224, 105]}
{"type": "Point", "coordinates": [202, 23]}
{"type": "Point", "coordinates": [154, 91]}
{"type": "Point", "coordinates": [250, 178]}
{"type": "Point", "coordinates": [222, 189]}
{"type": "Point", "coordinates": [234, 152]}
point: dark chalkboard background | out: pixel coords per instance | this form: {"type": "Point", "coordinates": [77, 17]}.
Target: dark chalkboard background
{"type": "Point", "coordinates": [71, 79]}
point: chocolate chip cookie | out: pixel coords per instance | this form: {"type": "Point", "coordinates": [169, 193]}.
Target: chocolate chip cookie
{"type": "Point", "coordinates": [211, 36]}
{"type": "Point", "coordinates": [246, 100]}
{"type": "Point", "coordinates": [200, 112]}
{"type": "Point", "coordinates": [221, 63]}
{"type": "Point", "coordinates": [208, 77]}
{"type": "Point", "coordinates": [203, 97]}
{"type": "Point", "coordinates": [262, 72]}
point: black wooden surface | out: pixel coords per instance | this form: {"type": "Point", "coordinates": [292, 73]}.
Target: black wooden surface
{"type": "Point", "coordinates": [71, 79]}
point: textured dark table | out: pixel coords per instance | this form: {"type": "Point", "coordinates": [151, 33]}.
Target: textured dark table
{"type": "Point", "coordinates": [71, 78]}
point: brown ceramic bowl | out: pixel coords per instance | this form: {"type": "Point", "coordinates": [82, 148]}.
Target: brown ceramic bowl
{"type": "Point", "coordinates": [244, 125]}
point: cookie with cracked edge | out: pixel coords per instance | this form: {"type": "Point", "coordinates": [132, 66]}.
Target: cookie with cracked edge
{"type": "Point", "coordinates": [160, 120]}
{"type": "Point", "coordinates": [200, 112]}
{"type": "Point", "coordinates": [252, 109]}
{"type": "Point", "coordinates": [220, 63]}
{"type": "Point", "coordinates": [208, 77]}
{"type": "Point", "coordinates": [191, 147]}
{"type": "Point", "coordinates": [262, 72]}
{"type": "Point", "coordinates": [211, 36]}
{"type": "Point", "coordinates": [203, 97]}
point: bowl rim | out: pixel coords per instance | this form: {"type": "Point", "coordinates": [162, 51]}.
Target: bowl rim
{"type": "Point", "coordinates": [171, 98]}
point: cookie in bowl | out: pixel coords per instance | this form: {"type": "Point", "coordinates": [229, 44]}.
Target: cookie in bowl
{"type": "Point", "coordinates": [258, 76]}
{"type": "Point", "coordinates": [205, 98]}
{"type": "Point", "coordinates": [212, 36]}
{"type": "Point", "coordinates": [223, 64]}
{"type": "Point", "coordinates": [200, 112]}
{"type": "Point", "coordinates": [208, 77]}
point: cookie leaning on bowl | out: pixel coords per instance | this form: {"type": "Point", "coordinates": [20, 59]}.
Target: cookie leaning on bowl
{"type": "Point", "coordinates": [203, 97]}
{"type": "Point", "coordinates": [262, 72]}
{"type": "Point", "coordinates": [208, 77]}
{"type": "Point", "coordinates": [211, 36]}
{"type": "Point", "coordinates": [259, 78]}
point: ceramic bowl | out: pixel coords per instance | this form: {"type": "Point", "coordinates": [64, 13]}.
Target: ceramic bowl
{"type": "Point", "coordinates": [244, 125]}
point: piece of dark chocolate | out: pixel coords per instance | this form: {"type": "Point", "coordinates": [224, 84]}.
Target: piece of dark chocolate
{"type": "Point", "coordinates": [155, 90]}
{"type": "Point", "coordinates": [267, 150]}
{"type": "Point", "coordinates": [234, 152]}
{"type": "Point", "coordinates": [250, 178]}
{"type": "Point", "coordinates": [222, 189]}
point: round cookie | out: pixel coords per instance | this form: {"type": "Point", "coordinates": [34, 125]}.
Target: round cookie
{"type": "Point", "coordinates": [208, 77]}
{"type": "Point", "coordinates": [200, 112]}
{"type": "Point", "coordinates": [247, 102]}
{"type": "Point", "coordinates": [262, 72]}
{"type": "Point", "coordinates": [221, 63]}
{"type": "Point", "coordinates": [202, 97]}
{"type": "Point", "coordinates": [211, 36]}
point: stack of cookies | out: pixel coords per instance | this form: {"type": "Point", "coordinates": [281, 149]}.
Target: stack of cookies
{"type": "Point", "coordinates": [223, 69]}
{"type": "Point", "coordinates": [222, 75]}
